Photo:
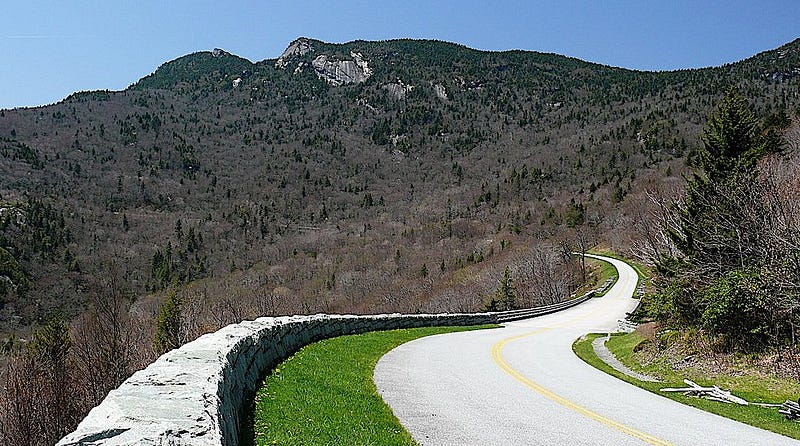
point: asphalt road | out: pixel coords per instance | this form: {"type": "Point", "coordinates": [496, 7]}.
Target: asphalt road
{"type": "Point", "coordinates": [523, 385]}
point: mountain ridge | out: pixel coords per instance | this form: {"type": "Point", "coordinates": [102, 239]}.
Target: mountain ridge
{"type": "Point", "coordinates": [792, 46]}
{"type": "Point", "coordinates": [214, 168]}
{"type": "Point", "coordinates": [247, 64]}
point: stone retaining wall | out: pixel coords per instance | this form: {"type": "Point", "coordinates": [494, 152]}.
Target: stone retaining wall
{"type": "Point", "coordinates": [198, 394]}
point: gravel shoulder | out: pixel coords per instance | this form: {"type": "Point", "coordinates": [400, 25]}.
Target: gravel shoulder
{"type": "Point", "coordinates": [605, 355]}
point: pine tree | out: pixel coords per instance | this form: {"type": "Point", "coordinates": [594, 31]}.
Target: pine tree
{"type": "Point", "coordinates": [51, 343]}
{"type": "Point", "coordinates": [505, 296]}
{"type": "Point", "coordinates": [732, 139]}
{"type": "Point", "coordinates": [732, 145]}
{"type": "Point", "coordinates": [168, 325]}
{"type": "Point", "coordinates": [719, 281]}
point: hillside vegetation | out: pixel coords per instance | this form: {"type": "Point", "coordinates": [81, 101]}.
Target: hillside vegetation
{"type": "Point", "coordinates": [214, 164]}
{"type": "Point", "coordinates": [728, 258]}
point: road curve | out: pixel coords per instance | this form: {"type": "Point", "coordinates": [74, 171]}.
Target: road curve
{"type": "Point", "coordinates": [523, 385]}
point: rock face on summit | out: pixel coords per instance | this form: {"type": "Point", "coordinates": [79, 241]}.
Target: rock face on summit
{"type": "Point", "coordinates": [336, 71]}
{"type": "Point", "coordinates": [300, 47]}
{"type": "Point", "coordinates": [219, 52]}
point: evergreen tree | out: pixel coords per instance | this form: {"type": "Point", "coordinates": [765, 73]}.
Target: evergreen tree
{"type": "Point", "coordinates": [51, 344]}
{"type": "Point", "coordinates": [732, 145]}
{"type": "Point", "coordinates": [732, 140]}
{"type": "Point", "coordinates": [717, 276]}
{"type": "Point", "coordinates": [16, 281]}
{"type": "Point", "coordinates": [45, 383]}
{"type": "Point", "coordinates": [423, 271]}
{"type": "Point", "coordinates": [505, 296]}
{"type": "Point", "coordinates": [168, 325]}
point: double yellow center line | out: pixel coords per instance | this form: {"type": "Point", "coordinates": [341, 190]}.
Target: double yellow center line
{"type": "Point", "coordinates": [497, 356]}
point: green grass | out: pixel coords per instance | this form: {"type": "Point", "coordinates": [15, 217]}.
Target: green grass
{"type": "Point", "coordinates": [324, 394]}
{"type": "Point", "coordinates": [607, 271]}
{"type": "Point", "coordinates": [754, 389]}
{"type": "Point", "coordinates": [600, 270]}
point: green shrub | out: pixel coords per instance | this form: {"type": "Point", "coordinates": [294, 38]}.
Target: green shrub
{"type": "Point", "coordinates": [737, 308]}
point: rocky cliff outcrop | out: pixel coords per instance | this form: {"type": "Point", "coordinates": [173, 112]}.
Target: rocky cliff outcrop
{"type": "Point", "coordinates": [298, 48]}
{"type": "Point", "coordinates": [335, 70]}
{"type": "Point", "coordinates": [440, 91]}
{"type": "Point", "coordinates": [399, 89]}
{"type": "Point", "coordinates": [219, 52]}
{"type": "Point", "coordinates": [340, 72]}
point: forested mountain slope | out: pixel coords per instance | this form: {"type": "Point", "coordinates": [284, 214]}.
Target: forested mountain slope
{"type": "Point", "coordinates": [366, 176]}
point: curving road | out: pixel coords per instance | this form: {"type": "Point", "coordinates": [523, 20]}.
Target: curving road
{"type": "Point", "coordinates": [523, 385]}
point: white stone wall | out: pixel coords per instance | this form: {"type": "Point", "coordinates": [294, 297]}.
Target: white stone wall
{"type": "Point", "coordinates": [198, 394]}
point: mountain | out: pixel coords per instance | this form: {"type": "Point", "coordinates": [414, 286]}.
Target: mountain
{"type": "Point", "coordinates": [197, 68]}
{"type": "Point", "coordinates": [361, 177]}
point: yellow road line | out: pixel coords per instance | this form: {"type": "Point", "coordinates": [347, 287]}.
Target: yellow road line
{"type": "Point", "coordinates": [497, 356]}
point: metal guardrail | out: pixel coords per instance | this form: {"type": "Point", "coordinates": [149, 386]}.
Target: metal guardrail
{"type": "Point", "coordinates": [513, 315]}
{"type": "Point", "coordinates": [626, 326]}
{"type": "Point", "coordinates": [606, 285]}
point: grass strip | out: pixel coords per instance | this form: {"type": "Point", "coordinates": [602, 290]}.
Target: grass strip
{"type": "Point", "coordinates": [607, 271]}
{"type": "Point", "coordinates": [753, 390]}
{"type": "Point", "coordinates": [642, 271]}
{"type": "Point", "coordinates": [325, 395]}
{"type": "Point", "coordinates": [598, 272]}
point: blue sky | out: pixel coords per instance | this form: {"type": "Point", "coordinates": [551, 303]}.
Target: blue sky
{"type": "Point", "coordinates": [50, 49]}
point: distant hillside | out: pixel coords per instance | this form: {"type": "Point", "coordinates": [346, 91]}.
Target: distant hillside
{"type": "Point", "coordinates": [366, 176]}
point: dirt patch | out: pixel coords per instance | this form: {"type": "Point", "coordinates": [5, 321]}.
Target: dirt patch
{"type": "Point", "coordinates": [648, 330]}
